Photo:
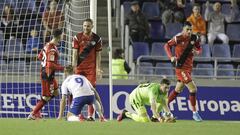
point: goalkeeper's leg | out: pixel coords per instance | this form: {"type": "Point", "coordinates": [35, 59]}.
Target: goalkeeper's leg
{"type": "Point", "coordinates": [141, 115]}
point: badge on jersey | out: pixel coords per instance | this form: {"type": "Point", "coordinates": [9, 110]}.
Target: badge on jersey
{"type": "Point", "coordinates": [52, 57]}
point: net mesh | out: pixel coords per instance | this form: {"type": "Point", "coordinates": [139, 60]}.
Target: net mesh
{"type": "Point", "coordinates": [22, 36]}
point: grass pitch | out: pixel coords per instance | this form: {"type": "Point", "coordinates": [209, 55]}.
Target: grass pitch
{"type": "Point", "coordinates": [126, 127]}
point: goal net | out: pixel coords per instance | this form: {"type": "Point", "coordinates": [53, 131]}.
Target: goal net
{"type": "Point", "coordinates": [22, 36]}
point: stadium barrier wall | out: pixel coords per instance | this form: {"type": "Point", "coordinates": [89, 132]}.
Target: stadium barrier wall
{"type": "Point", "coordinates": [214, 103]}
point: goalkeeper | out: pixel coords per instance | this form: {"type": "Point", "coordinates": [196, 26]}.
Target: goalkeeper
{"type": "Point", "coordinates": [153, 94]}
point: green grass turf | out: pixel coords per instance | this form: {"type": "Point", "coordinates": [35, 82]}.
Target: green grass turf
{"type": "Point", "coordinates": [126, 127]}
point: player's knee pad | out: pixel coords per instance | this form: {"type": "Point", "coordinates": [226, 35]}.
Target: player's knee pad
{"type": "Point", "coordinates": [46, 99]}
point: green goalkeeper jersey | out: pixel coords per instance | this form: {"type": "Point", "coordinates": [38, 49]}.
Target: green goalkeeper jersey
{"type": "Point", "coordinates": [144, 93]}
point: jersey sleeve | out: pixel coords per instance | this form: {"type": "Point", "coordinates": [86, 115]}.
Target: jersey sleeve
{"type": "Point", "coordinates": [99, 45]}
{"type": "Point", "coordinates": [169, 45]}
{"type": "Point", "coordinates": [64, 88]}
{"type": "Point", "coordinates": [75, 42]}
{"type": "Point", "coordinates": [40, 55]}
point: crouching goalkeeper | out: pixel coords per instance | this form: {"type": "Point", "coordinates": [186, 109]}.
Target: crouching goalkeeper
{"type": "Point", "coordinates": [153, 94]}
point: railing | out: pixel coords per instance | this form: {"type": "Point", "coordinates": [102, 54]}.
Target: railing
{"type": "Point", "coordinates": [212, 60]}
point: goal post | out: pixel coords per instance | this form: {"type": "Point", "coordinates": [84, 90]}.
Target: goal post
{"type": "Point", "coordinates": [20, 86]}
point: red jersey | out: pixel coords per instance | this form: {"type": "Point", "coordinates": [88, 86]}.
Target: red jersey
{"type": "Point", "coordinates": [180, 43]}
{"type": "Point", "coordinates": [81, 41]}
{"type": "Point", "coordinates": [49, 57]}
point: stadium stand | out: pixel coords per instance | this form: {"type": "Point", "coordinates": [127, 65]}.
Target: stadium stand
{"type": "Point", "coordinates": [158, 49]}
{"type": "Point", "coordinates": [151, 10]}
{"type": "Point", "coordinates": [221, 51]}
{"type": "Point", "coordinates": [140, 48]}
{"type": "Point", "coordinates": [205, 70]}
{"type": "Point", "coordinates": [146, 68]}
{"type": "Point", "coordinates": [172, 29]}
{"type": "Point", "coordinates": [205, 55]}
{"type": "Point", "coordinates": [232, 31]}
{"type": "Point", "coordinates": [157, 30]}
{"type": "Point", "coordinates": [164, 69]}
{"type": "Point", "coordinates": [225, 70]}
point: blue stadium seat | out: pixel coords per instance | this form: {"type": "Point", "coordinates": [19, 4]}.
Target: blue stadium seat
{"type": "Point", "coordinates": [158, 49]}
{"type": "Point", "coordinates": [14, 46]}
{"type": "Point", "coordinates": [151, 10]}
{"type": "Point", "coordinates": [172, 29]}
{"type": "Point", "coordinates": [35, 66]}
{"type": "Point", "coordinates": [236, 52]}
{"type": "Point", "coordinates": [127, 7]}
{"type": "Point", "coordinates": [204, 70]}
{"type": "Point", "coordinates": [205, 55]}
{"type": "Point", "coordinates": [226, 8]}
{"type": "Point", "coordinates": [146, 68]}
{"type": "Point", "coordinates": [17, 66]}
{"type": "Point", "coordinates": [225, 70]}
{"type": "Point", "coordinates": [140, 48]}
{"type": "Point", "coordinates": [164, 69]}
{"type": "Point", "coordinates": [232, 31]}
{"type": "Point", "coordinates": [188, 9]}
{"type": "Point", "coordinates": [221, 50]}
{"type": "Point", "coordinates": [157, 31]}
{"type": "Point", "coordinates": [238, 72]}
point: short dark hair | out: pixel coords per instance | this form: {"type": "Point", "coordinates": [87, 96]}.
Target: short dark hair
{"type": "Point", "coordinates": [118, 53]}
{"type": "Point", "coordinates": [187, 23]}
{"type": "Point", "coordinates": [165, 81]}
{"type": "Point", "coordinates": [57, 32]}
{"type": "Point", "coordinates": [88, 20]}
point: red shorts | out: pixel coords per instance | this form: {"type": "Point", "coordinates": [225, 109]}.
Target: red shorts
{"type": "Point", "coordinates": [91, 76]}
{"type": "Point", "coordinates": [183, 75]}
{"type": "Point", "coordinates": [49, 87]}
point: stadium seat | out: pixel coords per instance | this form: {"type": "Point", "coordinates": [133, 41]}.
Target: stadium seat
{"type": "Point", "coordinates": [238, 73]}
{"type": "Point", "coordinates": [226, 8]}
{"type": "Point", "coordinates": [172, 29]}
{"type": "Point", "coordinates": [14, 47]}
{"type": "Point", "coordinates": [127, 7]}
{"type": "Point", "coordinates": [140, 48]}
{"type": "Point", "coordinates": [205, 55]}
{"type": "Point", "coordinates": [204, 70]}
{"type": "Point", "coordinates": [35, 66]}
{"type": "Point", "coordinates": [232, 31]}
{"type": "Point", "coordinates": [188, 9]}
{"type": "Point", "coordinates": [236, 52]}
{"type": "Point", "coordinates": [221, 50]}
{"type": "Point", "coordinates": [164, 69]}
{"type": "Point", "coordinates": [226, 70]}
{"type": "Point", "coordinates": [158, 49]}
{"type": "Point", "coordinates": [157, 31]}
{"type": "Point", "coordinates": [17, 66]}
{"type": "Point", "coordinates": [151, 10]}
{"type": "Point", "coordinates": [146, 68]}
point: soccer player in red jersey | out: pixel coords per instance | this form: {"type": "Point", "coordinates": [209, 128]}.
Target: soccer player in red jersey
{"type": "Point", "coordinates": [86, 57]}
{"type": "Point", "coordinates": [186, 46]}
{"type": "Point", "coordinates": [49, 57]}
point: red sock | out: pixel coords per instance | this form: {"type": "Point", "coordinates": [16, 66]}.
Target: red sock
{"type": "Point", "coordinates": [172, 96]}
{"type": "Point", "coordinates": [192, 98]}
{"type": "Point", "coordinates": [39, 106]}
{"type": "Point", "coordinates": [90, 110]}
